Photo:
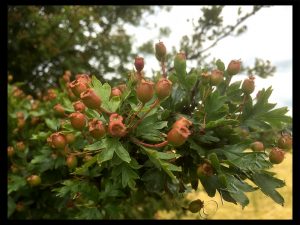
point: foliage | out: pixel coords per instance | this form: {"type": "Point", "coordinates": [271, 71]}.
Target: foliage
{"type": "Point", "coordinates": [134, 173]}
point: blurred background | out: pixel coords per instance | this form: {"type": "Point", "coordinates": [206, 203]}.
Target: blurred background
{"type": "Point", "coordinates": [44, 41]}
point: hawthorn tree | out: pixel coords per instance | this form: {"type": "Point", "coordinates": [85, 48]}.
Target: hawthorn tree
{"type": "Point", "coordinates": [126, 151]}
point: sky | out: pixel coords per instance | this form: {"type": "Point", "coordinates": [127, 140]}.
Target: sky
{"type": "Point", "coordinates": [269, 37]}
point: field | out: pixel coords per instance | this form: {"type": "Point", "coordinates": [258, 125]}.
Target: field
{"type": "Point", "coordinates": [260, 207]}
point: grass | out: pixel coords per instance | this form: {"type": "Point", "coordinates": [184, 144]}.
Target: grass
{"type": "Point", "coordinates": [260, 206]}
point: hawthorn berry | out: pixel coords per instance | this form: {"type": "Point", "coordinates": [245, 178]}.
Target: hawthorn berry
{"type": "Point", "coordinates": [276, 155]}
{"type": "Point", "coordinates": [178, 135]}
{"type": "Point", "coordinates": [182, 121]}
{"type": "Point", "coordinates": [160, 51]}
{"type": "Point", "coordinates": [145, 91]}
{"type": "Point", "coordinates": [83, 78]}
{"type": "Point", "coordinates": [59, 109]}
{"type": "Point", "coordinates": [216, 77]}
{"type": "Point", "coordinates": [78, 120]}
{"type": "Point", "coordinates": [163, 88]}
{"type": "Point", "coordinates": [10, 151]}
{"type": "Point", "coordinates": [96, 128]}
{"type": "Point", "coordinates": [248, 85]}
{"type": "Point", "coordinates": [116, 128]}
{"type": "Point", "coordinates": [90, 99]}
{"type": "Point", "coordinates": [71, 161]}
{"type": "Point", "coordinates": [20, 207]}
{"type": "Point", "coordinates": [78, 87]}
{"type": "Point", "coordinates": [34, 180]}
{"type": "Point", "coordinates": [139, 63]}
{"type": "Point", "coordinates": [57, 140]}
{"type": "Point", "coordinates": [234, 67]}
{"type": "Point", "coordinates": [79, 106]}
{"type": "Point", "coordinates": [257, 146]}
{"type": "Point", "coordinates": [20, 146]}
{"type": "Point", "coordinates": [115, 92]}
{"type": "Point", "coordinates": [285, 142]}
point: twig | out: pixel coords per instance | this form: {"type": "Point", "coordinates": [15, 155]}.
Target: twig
{"type": "Point", "coordinates": [159, 145]}
{"type": "Point", "coordinates": [146, 113]}
{"type": "Point", "coordinates": [137, 112]}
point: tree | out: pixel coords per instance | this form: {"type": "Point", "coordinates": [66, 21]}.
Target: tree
{"type": "Point", "coordinates": [43, 41]}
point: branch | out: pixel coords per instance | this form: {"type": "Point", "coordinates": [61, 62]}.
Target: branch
{"type": "Point", "coordinates": [159, 145]}
{"type": "Point", "coordinates": [227, 33]}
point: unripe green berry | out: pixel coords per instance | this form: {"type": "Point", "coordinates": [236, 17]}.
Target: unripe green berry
{"type": "Point", "coordinates": [257, 146]}
{"type": "Point", "coordinates": [234, 67]}
{"type": "Point", "coordinates": [216, 77]}
{"type": "Point", "coordinates": [248, 85]}
{"type": "Point", "coordinates": [160, 51]}
{"type": "Point", "coordinates": [34, 180]}
{"type": "Point", "coordinates": [145, 91]}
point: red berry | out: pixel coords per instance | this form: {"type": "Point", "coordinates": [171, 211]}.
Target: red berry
{"type": "Point", "coordinates": [248, 85]}
{"type": "Point", "coordinates": [83, 78]}
{"type": "Point", "coordinates": [116, 128]}
{"type": "Point", "coordinates": [90, 99]}
{"type": "Point", "coordinates": [163, 88]}
{"type": "Point", "coordinates": [20, 146]}
{"type": "Point", "coordinates": [285, 142]}
{"type": "Point", "coordinates": [34, 120]}
{"type": "Point", "coordinates": [216, 77]}
{"type": "Point", "coordinates": [78, 120]}
{"type": "Point", "coordinates": [21, 123]}
{"type": "Point", "coordinates": [182, 121]}
{"type": "Point", "coordinates": [78, 87]}
{"type": "Point", "coordinates": [79, 106]}
{"type": "Point", "coordinates": [178, 135]}
{"type": "Point", "coordinates": [34, 180]}
{"type": "Point", "coordinates": [234, 67]}
{"type": "Point", "coordinates": [59, 109]}
{"type": "Point", "coordinates": [20, 115]}
{"type": "Point", "coordinates": [139, 63]}
{"type": "Point", "coordinates": [257, 146]}
{"type": "Point", "coordinates": [10, 151]}
{"type": "Point", "coordinates": [160, 51]}
{"type": "Point", "coordinates": [96, 129]}
{"type": "Point", "coordinates": [276, 155]}
{"type": "Point", "coordinates": [71, 161]}
{"type": "Point", "coordinates": [145, 91]}
{"type": "Point", "coordinates": [115, 117]}
{"type": "Point", "coordinates": [115, 92]}
{"type": "Point", "coordinates": [57, 140]}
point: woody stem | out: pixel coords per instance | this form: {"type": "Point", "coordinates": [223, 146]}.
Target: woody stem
{"type": "Point", "coordinates": [137, 112]}
{"type": "Point", "coordinates": [146, 113]}
{"type": "Point", "coordinates": [159, 145]}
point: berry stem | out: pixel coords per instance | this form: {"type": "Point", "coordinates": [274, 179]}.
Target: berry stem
{"type": "Point", "coordinates": [163, 67]}
{"type": "Point", "coordinates": [241, 106]}
{"type": "Point", "coordinates": [159, 145]}
{"type": "Point", "coordinates": [101, 109]}
{"type": "Point", "coordinates": [137, 112]}
{"type": "Point", "coordinates": [141, 119]}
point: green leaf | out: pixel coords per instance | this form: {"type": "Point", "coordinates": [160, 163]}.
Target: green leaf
{"type": "Point", "coordinates": [261, 116]}
{"type": "Point", "coordinates": [221, 122]}
{"type": "Point", "coordinates": [154, 180]}
{"type": "Point", "coordinates": [105, 155]}
{"type": "Point", "coordinates": [84, 167]}
{"type": "Point", "coordinates": [121, 151]}
{"type": "Point", "coordinates": [149, 129]}
{"type": "Point", "coordinates": [15, 183]}
{"type": "Point", "coordinates": [157, 159]}
{"type": "Point", "coordinates": [11, 206]}
{"type": "Point", "coordinates": [41, 136]}
{"type": "Point", "coordinates": [128, 177]}
{"type": "Point", "coordinates": [96, 146]}
{"type": "Point", "coordinates": [220, 65]}
{"type": "Point", "coordinates": [210, 184]}
{"type": "Point", "coordinates": [268, 184]}
{"type": "Point", "coordinates": [214, 161]}
{"type": "Point", "coordinates": [52, 124]}
{"type": "Point", "coordinates": [193, 145]}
